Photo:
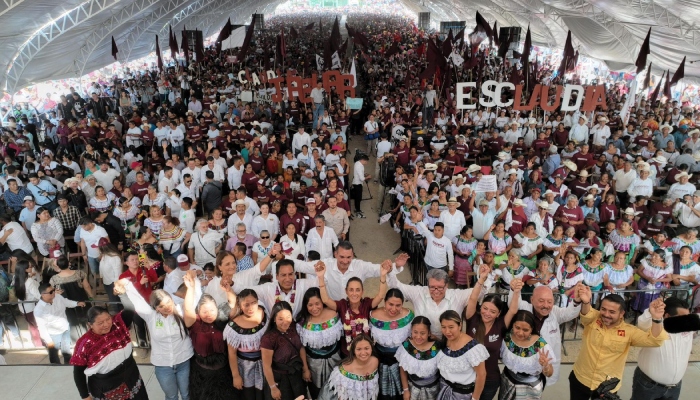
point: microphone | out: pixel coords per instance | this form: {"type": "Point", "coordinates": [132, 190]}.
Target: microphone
{"type": "Point", "coordinates": [682, 323]}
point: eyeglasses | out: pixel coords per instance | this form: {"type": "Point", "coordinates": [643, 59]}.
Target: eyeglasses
{"type": "Point", "coordinates": [188, 181]}
{"type": "Point", "coordinates": [436, 288]}
{"type": "Point", "coordinates": [264, 237]}
{"type": "Point", "coordinates": [50, 292]}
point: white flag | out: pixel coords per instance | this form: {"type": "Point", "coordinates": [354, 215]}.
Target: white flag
{"type": "Point", "coordinates": [629, 103]}
{"type": "Point", "coordinates": [335, 61]}
{"type": "Point", "coordinates": [353, 72]}
{"type": "Point", "coordinates": [235, 40]}
{"type": "Point", "coordinates": [457, 60]}
{"type": "Point", "coordinates": [319, 62]}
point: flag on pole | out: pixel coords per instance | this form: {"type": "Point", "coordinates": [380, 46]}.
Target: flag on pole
{"type": "Point", "coordinates": [319, 63]}
{"type": "Point", "coordinates": [185, 45]}
{"type": "Point", "coordinates": [115, 50]}
{"type": "Point", "coordinates": [647, 79]}
{"type": "Point", "coordinates": [567, 56]}
{"type": "Point", "coordinates": [309, 26]}
{"type": "Point", "coordinates": [353, 72]}
{"type": "Point", "coordinates": [629, 103]}
{"type": "Point", "coordinates": [293, 34]}
{"type": "Point", "coordinates": [656, 91]}
{"type": "Point", "coordinates": [160, 57]}
{"type": "Point", "coordinates": [172, 43]}
{"type": "Point", "coordinates": [335, 60]}
{"type": "Point", "coordinates": [679, 74]}
{"type": "Point", "coordinates": [643, 52]}
{"type": "Point", "coordinates": [246, 42]}
{"type": "Point", "coordinates": [496, 41]}
{"type": "Point", "coordinates": [224, 34]}
{"type": "Point", "coordinates": [667, 86]}
{"type": "Point", "coordinates": [199, 48]}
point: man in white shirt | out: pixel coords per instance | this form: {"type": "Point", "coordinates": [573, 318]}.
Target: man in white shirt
{"type": "Point", "coordinates": [204, 244]}
{"type": "Point", "coordinates": [643, 185]}
{"type": "Point", "coordinates": [235, 173]}
{"type": "Point", "coordinates": [622, 180]}
{"type": "Point", "coordinates": [321, 239]}
{"type": "Point", "coordinates": [435, 298]}
{"type": "Point", "coordinates": [579, 133]}
{"type": "Point", "coordinates": [688, 214]}
{"type": "Point", "coordinates": [176, 137]}
{"type": "Point", "coordinates": [14, 235]}
{"type": "Point", "coordinates": [51, 320]}
{"type": "Point", "coordinates": [601, 134]}
{"type": "Point", "coordinates": [548, 318]}
{"type": "Point", "coordinates": [358, 178]}
{"type": "Point", "coordinates": [195, 106]}
{"type": "Point", "coordinates": [317, 94]}
{"type": "Point", "coordinates": [90, 235]}
{"type": "Point", "coordinates": [215, 168]}
{"type": "Point", "coordinates": [166, 183]}
{"type": "Point", "coordinates": [174, 275]}
{"type": "Point", "coordinates": [452, 219]}
{"type": "Point", "coordinates": [343, 267]}
{"type": "Point", "coordinates": [187, 187]}
{"type": "Point", "coordinates": [187, 216]}
{"type": "Point", "coordinates": [660, 370]}
{"type": "Point", "coordinates": [300, 139]}
{"type": "Point", "coordinates": [682, 187]}
{"type": "Point", "coordinates": [105, 175]}
{"type": "Point", "coordinates": [438, 249]}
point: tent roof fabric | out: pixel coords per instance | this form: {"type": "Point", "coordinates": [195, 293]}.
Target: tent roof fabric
{"type": "Point", "coordinates": [48, 39]}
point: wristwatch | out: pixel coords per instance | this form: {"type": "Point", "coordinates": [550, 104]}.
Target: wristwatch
{"type": "Point", "coordinates": [657, 321]}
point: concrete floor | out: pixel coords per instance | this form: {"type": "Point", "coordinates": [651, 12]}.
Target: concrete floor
{"type": "Point", "coordinates": [372, 242]}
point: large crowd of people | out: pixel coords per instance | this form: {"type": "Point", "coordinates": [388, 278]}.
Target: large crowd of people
{"type": "Point", "coordinates": [219, 230]}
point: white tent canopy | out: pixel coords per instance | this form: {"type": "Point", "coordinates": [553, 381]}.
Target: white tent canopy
{"type": "Point", "coordinates": [49, 39]}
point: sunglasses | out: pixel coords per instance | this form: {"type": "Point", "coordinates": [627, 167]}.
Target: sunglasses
{"type": "Point", "coordinates": [264, 237]}
{"type": "Point", "coordinates": [50, 292]}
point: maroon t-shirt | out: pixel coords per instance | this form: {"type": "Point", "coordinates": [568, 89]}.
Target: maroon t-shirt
{"type": "Point", "coordinates": [492, 341]}
{"type": "Point", "coordinates": [402, 155]}
{"type": "Point", "coordinates": [285, 347]}
{"type": "Point", "coordinates": [139, 189]}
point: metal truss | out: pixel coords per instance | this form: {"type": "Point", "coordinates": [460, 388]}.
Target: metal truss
{"type": "Point", "coordinates": [9, 5]}
{"type": "Point", "coordinates": [47, 33]}
{"type": "Point", "coordinates": [527, 13]}
{"type": "Point", "coordinates": [93, 41]}
{"type": "Point", "coordinates": [689, 32]}
{"type": "Point", "coordinates": [196, 9]}
{"type": "Point", "coordinates": [144, 25]}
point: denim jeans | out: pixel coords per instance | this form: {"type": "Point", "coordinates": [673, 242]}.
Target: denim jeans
{"type": "Point", "coordinates": [643, 388]}
{"type": "Point", "coordinates": [172, 379]}
{"type": "Point", "coordinates": [94, 266]}
{"type": "Point", "coordinates": [62, 342]}
{"type": "Point", "coordinates": [318, 112]}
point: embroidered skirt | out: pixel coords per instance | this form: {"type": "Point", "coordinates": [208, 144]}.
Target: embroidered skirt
{"type": "Point", "coordinates": [423, 388]}
{"type": "Point", "coordinates": [321, 366]}
{"type": "Point", "coordinates": [122, 383]}
{"type": "Point", "coordinates": [452, 391]}
{"type": "Point", "coordinates": [511, 390]}
{"type": "Point", "coordinates": [389, 375]}
{"type": "Point", "coordinates": [210, 378]}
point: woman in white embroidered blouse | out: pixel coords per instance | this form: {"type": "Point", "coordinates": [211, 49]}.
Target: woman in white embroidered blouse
{"type": "Point", "coordinates": [418, 363]}
{"type": "Point", "coordinates": [266, 221]}
{"type": "Point", "coordinates": [528, 359]}
{"type": "Point", "coordinates": [356, 378]}
{"type": "Point", "coordinates": [461, 362]}
{"type": "Point", "coordinates": [320, 331]}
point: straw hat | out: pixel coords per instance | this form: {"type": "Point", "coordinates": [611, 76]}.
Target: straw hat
{"type": "Point", "coordinates": [473, 168]}
{"type": "Point", "coordinates": [683, 174]}
{"type": "Point", "coordinates": [584, 173]}
{"type": "Point", "coordinates": [569, 164]}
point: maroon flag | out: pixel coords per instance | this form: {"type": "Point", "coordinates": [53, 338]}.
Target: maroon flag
{"type": "Point", "coordinates": [435, 55]}
{"type": "Point", "coordinates": [283, 45]}
{"type": "Point", "coordinates": [680, 73]}
{"type": "Point", "coordinates": [505, 44]}
{"type": "Point", "coordinates": [224, 34]}
{"type": "Point", "coordinates": [525, 56]}
{"type": "Point", "coordinates": [172, 43]}
{"type": "Point", "coordinates": [185, 45]}
{"type": "Point", "coordinates": [246, 42]}
{"type": "Point", "coordinates": [495, 34]}
{"type": "Point", "coordinates": [335, 36]}
{"type": "Point", "coordinates": [647, 79]}
{"type": "Point", "coordinates": [447, 44]}
{"type": "Point", "coordinates": [199, 49]}
{"type": "Point", "coordinates": [115, 50]}
{"type": "Point", "coordinates": [567, 56]}
{"type": "Point", "coordinates": [309, 26]}
{"type": "Point", "coordinates": [293, 34]}
{"type": "Point", "coordinates": [394, 49]}
{"type": "Point", "coordinates": [643, 52]}
{"type": "Point", "coordinates": [160, 57]}
{"type": "Point", "coordinates": [482, 24]}
{"type": "Point", "coordinates": [667, 86]}
{"type": "Point", "coordinates": [655, 93]}
{"type": "Point", "coordinates": [459, 36]}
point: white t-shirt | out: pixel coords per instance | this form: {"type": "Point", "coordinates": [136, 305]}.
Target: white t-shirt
{"type": "Point", "coordinates": [18, 239]}
{"type": "Point", "coordinates": [91, 238]}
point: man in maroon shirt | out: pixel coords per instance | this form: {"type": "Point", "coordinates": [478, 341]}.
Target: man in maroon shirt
{"type": "Point", "coordinates": [402, 152]}
{"type": "Point", "coordinates": [495, 143]}
{"type": "Point", "coordinates": [569, 214]}
{"type": "Point", "coordinates": [541, 145]}
{"type": "Point", "coordinates": [195, 135]}
{"type": "Point", "coordinates": [452, 159]}
{"type": "Point", "coordinates": [579, 187]}
{"type": "Point", "coordinates": [293, 217]}
{"type": "Point", "coordinates": [583, 159]}
{"type": "Point", "coordinates": [262, 194]}
{"type": "Point", "coordinates": [310, 214]}
{"type": "Point", "coordinates": [518, 216]}
{"type": "Point", "coordinates": [140, 187]}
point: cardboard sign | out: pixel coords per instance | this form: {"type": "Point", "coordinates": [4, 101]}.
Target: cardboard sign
{"type": "Point", "coordinates": [487, 183]}
{"type": "Point", "coordinates": [300, 88]}
{"type": "Point", "coordinates": [354, 103]}
{"type": "Point", "coordinates": [246, 96]}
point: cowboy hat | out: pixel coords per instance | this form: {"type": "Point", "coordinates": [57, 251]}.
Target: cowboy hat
{"type": "Point", "coordinates": [531, 121]}
{"type": "Point", "coordinates": [683, 174]}
{"type": "Point", "coordinates": [240, 203]}
{"type": "Point", "coordinates": [694, 131]}
{"type": "Point", "coordinates": [503, 154]}
{"type": "Point", "coordinates": [630, 211]}
{"type": "Point", "coordinates": [659, 159]}
{"type": "Point", "coordinates": [593, 186]}
{"type": "Point", "coordinates": [583, 117]}
{"type": "Point", "coordinates": [665, 126]}
{"type": "Point", "coordinates": [515, 163]}
{"type": "Point", "coordinates": [514, 123]}
{"type": "Point", "coordinates": [570, 165]}
{"type": "Point", "coordinates": [549, 191]}
{"type": "Point", "coordinates": [430, 167]}
{"type": "Point", "coordinates": [452, 200]}
{"type": "Point", "coordinates": [473, 168]}
{"type": "Point", "coordinates": [458, 177]}
{"type": "Point", "coordinates": [589, 197]}
{"type": "Point", "coordinates": [543, 204]}
{"type": "Point", "coordinates": [583, 173]}
{"type": "Point", "coordinates": [518, 203]}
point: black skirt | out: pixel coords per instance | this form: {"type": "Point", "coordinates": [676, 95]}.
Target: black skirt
{"type": "Point", "coordinates": [210, 379]}
{"type": "Point", "coordinates": [122, 383]}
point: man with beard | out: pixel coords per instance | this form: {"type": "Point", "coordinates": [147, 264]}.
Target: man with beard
{"type": "Point", "coordinates": [607, 339]}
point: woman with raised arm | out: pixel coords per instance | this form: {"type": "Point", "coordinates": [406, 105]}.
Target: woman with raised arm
{"type": "Point", "coordinates": [390, 326]}
{"type": "Point", "coordinates": [354, 310]}
{"type": "Point", "coordinates": [320, 331]}
{"type": "Point", "coordinates": [488, 325]}
{"type": "Point", "coordinates": [171, 347]}
{"type": "Point", "coordinates": [210, 376]}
